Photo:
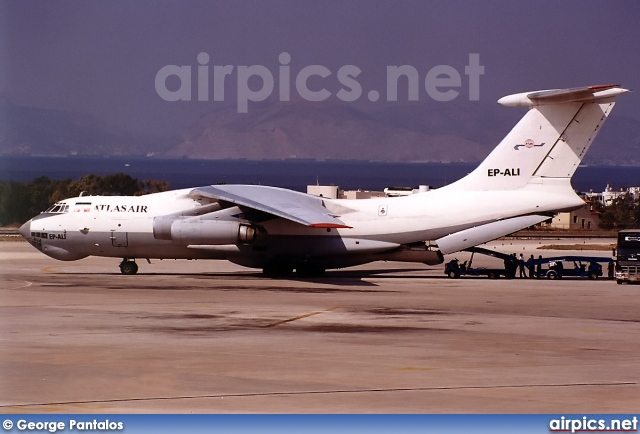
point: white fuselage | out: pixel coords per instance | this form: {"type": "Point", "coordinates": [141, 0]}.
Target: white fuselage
{"type": "Point", "coordinates": [116, 226]}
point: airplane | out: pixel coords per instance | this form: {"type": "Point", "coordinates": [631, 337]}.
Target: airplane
{"type": "Point", "coordinates": [525, 180]}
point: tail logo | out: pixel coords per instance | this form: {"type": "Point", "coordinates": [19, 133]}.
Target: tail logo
{"type": "Point", "coordinates": [528, 144]}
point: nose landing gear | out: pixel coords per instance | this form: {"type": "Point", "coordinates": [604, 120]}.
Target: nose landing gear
{"type": "Point", "coordinates": [128, 266]}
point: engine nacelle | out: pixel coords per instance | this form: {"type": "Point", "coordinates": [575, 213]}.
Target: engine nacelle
{"type": "Point", "coordinates": [162, 227]}
{"type": "Point", "coordinates": [205, 232]}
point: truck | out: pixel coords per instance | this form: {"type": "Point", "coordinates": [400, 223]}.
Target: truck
{"type": "Point", "coordinates": [628, 257]}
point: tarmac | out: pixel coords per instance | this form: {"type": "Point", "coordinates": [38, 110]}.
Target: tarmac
{"type": "Point", "coordinates": [212, 337]}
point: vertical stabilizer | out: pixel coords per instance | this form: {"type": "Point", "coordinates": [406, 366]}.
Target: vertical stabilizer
{"type": "Point", "coordinates": [548, 142]}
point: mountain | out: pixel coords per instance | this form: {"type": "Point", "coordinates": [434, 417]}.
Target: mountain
{"type": "Point", "coordinates": [325, 131]}
{"type": "Point", "coordinates": [38, 131]}
{"type": "Point", "coordinates": [617, 144]}
{"type": "Point", "coordinates": [438, 132]}
{"type": "Point", "coordinates": [272, 130]}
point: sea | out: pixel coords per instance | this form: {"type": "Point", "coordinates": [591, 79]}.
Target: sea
{"type": "Point", "coordinates": [294, 174]}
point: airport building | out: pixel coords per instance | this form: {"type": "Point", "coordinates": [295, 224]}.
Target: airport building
{"type": "Point", "coordinates": [334, 192]}
{"type": "Point", "coordinates": [609, 195]}
{"type": "Point", "coordinates": [584, 218]}
{"type": "Point", "coordinates": [328, 191]}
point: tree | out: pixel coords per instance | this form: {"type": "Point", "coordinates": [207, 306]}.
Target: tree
{"type": "Point", "coordinates": [120, 184]}
{"type": "Point", "coordinates": [21, 201]}
{"type": "Point", "coordinates": [14, 203]}
{"type": "Point", "coordinates": [155, 186]}
{"type": "Point", "coordinates": [623, 213]}
{"type": "Point", "coordinates": [65, 188]}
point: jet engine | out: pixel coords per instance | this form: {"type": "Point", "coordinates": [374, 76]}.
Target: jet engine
{"type": "Point", "coordinates": [203, 231]}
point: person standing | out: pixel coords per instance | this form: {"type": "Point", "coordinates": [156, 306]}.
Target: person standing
{"type": "Point", "coordinates": [511, 266]}
{"type": "Point", "coordinates": [521, 266]}
{"type": "Point", "coordinates": [539, 267]}
{"type": "Point", "coordinates": [610, 271]}
{"type": "Point", "coordinates": [532, 268]}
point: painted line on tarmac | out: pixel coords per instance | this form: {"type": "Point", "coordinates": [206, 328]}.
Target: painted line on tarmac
{"type": "Point", "coordinates": [28, 284]}
{"type": "Point", "coordinates": [318, 392]}
{"type": "Point", "coordinates": [295, 318]}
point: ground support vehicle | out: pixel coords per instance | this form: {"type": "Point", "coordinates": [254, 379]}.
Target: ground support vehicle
{"type": "Point", "coordinates": [454, 269]}
{"type": "Point", "coordinates": [583, 266]}
{"type": "Point", "coordinates": [628, 256]}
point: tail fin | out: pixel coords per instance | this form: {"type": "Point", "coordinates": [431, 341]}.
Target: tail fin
{"type": "Point", "coordinates": [549, 141]}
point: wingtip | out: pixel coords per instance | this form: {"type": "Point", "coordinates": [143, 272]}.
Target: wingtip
{"type": "Point", "coordinates": [599, 87]}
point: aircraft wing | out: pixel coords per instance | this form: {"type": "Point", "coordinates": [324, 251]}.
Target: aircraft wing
{"type": "Point", "coordinates": [288, 204]}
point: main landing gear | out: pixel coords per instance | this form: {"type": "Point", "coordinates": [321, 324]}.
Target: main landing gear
{"type": "Point", "coordinates": [128, 266]}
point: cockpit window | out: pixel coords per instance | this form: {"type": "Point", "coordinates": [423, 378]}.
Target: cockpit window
{"type": "Point", "coordinates": [58, 208]}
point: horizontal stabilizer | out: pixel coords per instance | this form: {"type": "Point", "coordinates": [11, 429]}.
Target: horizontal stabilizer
{"type": "Point", "coordinates": [487, 232]}
{"type": "Point", "coordinates": [562, 96]}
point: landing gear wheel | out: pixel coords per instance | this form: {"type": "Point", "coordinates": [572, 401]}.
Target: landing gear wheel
{"type": "Point", "coordinates": [128, 267]}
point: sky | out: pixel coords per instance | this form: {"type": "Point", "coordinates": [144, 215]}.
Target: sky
{"type": "Point", "coordinates": [103, 58]}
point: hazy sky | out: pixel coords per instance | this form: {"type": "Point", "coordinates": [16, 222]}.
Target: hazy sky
{"type": "Point", "coordinates": [102, 57]}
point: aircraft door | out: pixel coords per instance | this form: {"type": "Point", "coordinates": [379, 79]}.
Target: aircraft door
{"type": "Point", "coordinates": [119, 239]}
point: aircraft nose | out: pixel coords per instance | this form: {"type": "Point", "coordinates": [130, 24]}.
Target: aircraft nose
{"type": "Point", "coordinates": [25, 230]}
